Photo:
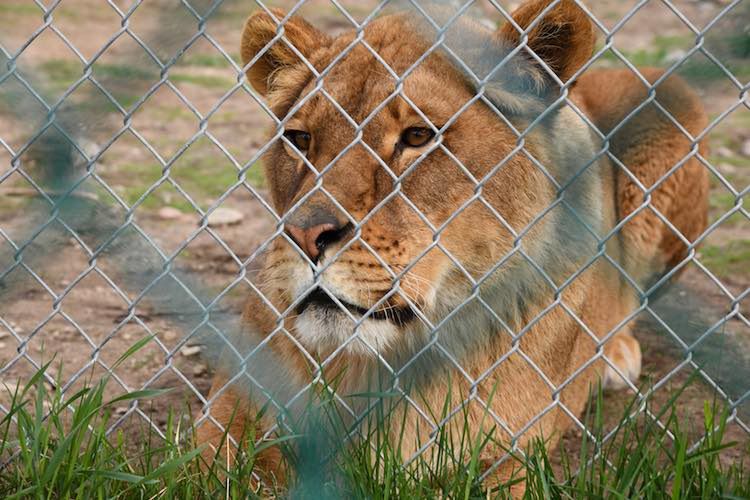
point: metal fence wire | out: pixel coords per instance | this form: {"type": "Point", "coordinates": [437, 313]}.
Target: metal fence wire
{"type": "Point", "coordinates": [96, 253]}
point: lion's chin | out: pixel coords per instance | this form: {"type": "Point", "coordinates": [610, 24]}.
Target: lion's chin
{"type": "Point", "coordinates": [325, 330]}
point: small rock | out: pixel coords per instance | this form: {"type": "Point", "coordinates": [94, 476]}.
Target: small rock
{"type": "Point", "coordinates": [191, 350]}
{"type": "Point", "coordinates": [4, 333]}
{"type": "Point", "coordinates": [746, 148]}
{"type": "Point", "coordinates": [724, 152]}
{"type": "Point", "coordinates": [89, 147]}
{"type": "Point", "coordinates": [199, 370]}
{"type": "Point", "coordinates": [224, 217]}
{"type": "Point", "coordinates": [11, 386]}
{"type": "Point", "coordinates": [68, 331]}
{"type": "Point", "coordinates": [2, 345]}
{"type": "Point", "coordinates": [675, 56]}
{"type": "Point", "coordinates": [121, 410]}
{"type": "Point", "coordinates": [169, 213]}
{"type": "Point", "coordinates": [170, 335]}
{"type": "Point", "coordinates": [727, 168]}
{"type": "Point", "coordinates": [488, 23]}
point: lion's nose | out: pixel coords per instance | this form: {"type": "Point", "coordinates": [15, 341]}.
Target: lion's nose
{"type": "Point", "coordinates": [314, 240]}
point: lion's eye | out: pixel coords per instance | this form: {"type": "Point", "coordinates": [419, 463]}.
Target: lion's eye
{"type": "Point", "coordinates": [299, 138]}
{"type": "Point", "coordinates": [416, 137]}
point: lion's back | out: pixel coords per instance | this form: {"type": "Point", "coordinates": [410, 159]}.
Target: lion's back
{"type": "Point", "coordinates": [653, 136]}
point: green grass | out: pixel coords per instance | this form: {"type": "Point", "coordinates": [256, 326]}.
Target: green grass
{"type": "Point", "coordinates": [62, 71]}
{"type": "Point", "coordinates": [254, 175]}
{"type": "Point", "coordinates": [172, 113]}
{"type": "Point", "coordinates": [8, 204]}
{"type": "Point", "coordinates": [27, 8]}
{"type": "Point", "coordinates": [124, 72]}
{"type": "Point", "coordinates": [660, 48]}
{"type": "Point", "coordinates": [731, 51]}
{"type": "Point", "coordinates": [126, 82]}
{"type": "Point", "coordinates": [70, 70]}
{"type": "Point", "coordinates": [164, 196]}
{"type": "Point", "coordinates": [206, 81]}
{"type": "Point", "coordinates": [48, 451]}
{"type": "Point", "coordinates": [737, 161]}
{"type": "Point", "coordinates": [729, 259]}
{"type": "Point", "coordinates": [638, 58]}
{"type": "Point", "coordinates": [198, 172]}
{"type": "Point", "coordinates": [703, 70]}
{"type": "Point", "coordinates": [20, 9]}
{"type": "Point", "coordinates": [123, 82]}
{"type": "Point", "coordinates": [721, 203]}
{"type": "Point", "coordinates": [203, 177]}
{"type": "Point", "coordinates": [208, 60]}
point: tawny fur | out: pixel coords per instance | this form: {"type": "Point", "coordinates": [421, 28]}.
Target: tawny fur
{"type": "Point", "coordinates": [555, 342]}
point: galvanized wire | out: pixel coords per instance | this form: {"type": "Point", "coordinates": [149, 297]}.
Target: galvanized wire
{"type": "Point", "coordinates": [162, 265]}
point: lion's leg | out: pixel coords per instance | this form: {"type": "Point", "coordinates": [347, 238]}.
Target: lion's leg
{"type": "Point", "coordinates": [624, 352]}
{"type": "Point", "coordinates": [613, 311]}
{"type": "Point", "coordinates": [223, 427]}
{"type": "Point", "coordinates": [652, 247]}
{"type": "Point", "coordinates": [231, 423]}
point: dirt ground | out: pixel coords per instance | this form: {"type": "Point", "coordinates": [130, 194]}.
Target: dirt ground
{"type": "Point", "coordinates": [64, 304]}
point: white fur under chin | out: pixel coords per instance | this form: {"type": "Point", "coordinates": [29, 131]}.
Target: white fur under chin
{"type": "Point", "coordinates": [324, 330]}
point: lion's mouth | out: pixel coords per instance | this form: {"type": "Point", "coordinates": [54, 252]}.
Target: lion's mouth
{"type": "Point", "coordinates": [319, 298]}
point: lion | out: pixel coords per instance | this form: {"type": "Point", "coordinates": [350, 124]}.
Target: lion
{"type": "Point", "coordinates": [480, 217]}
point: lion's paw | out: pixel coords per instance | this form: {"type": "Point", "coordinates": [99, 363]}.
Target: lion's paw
{"type": "Point", "coordinates": [624, 352]}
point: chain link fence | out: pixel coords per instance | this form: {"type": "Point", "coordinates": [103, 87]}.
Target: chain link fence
{"type": "Point", "coordinates": [133, 202]}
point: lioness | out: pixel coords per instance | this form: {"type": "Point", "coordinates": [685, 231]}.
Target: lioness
{"type": "Point", "coordinates": [453, 220]}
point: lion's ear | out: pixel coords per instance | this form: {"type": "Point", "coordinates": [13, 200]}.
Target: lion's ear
{"type": "Point", "coordinates": [562, 35]}
{"type": "Point", "coordinates": [260, 30]}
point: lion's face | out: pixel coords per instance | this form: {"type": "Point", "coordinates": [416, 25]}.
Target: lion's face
{"type": "Point", "coordinates": [401, 200]}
